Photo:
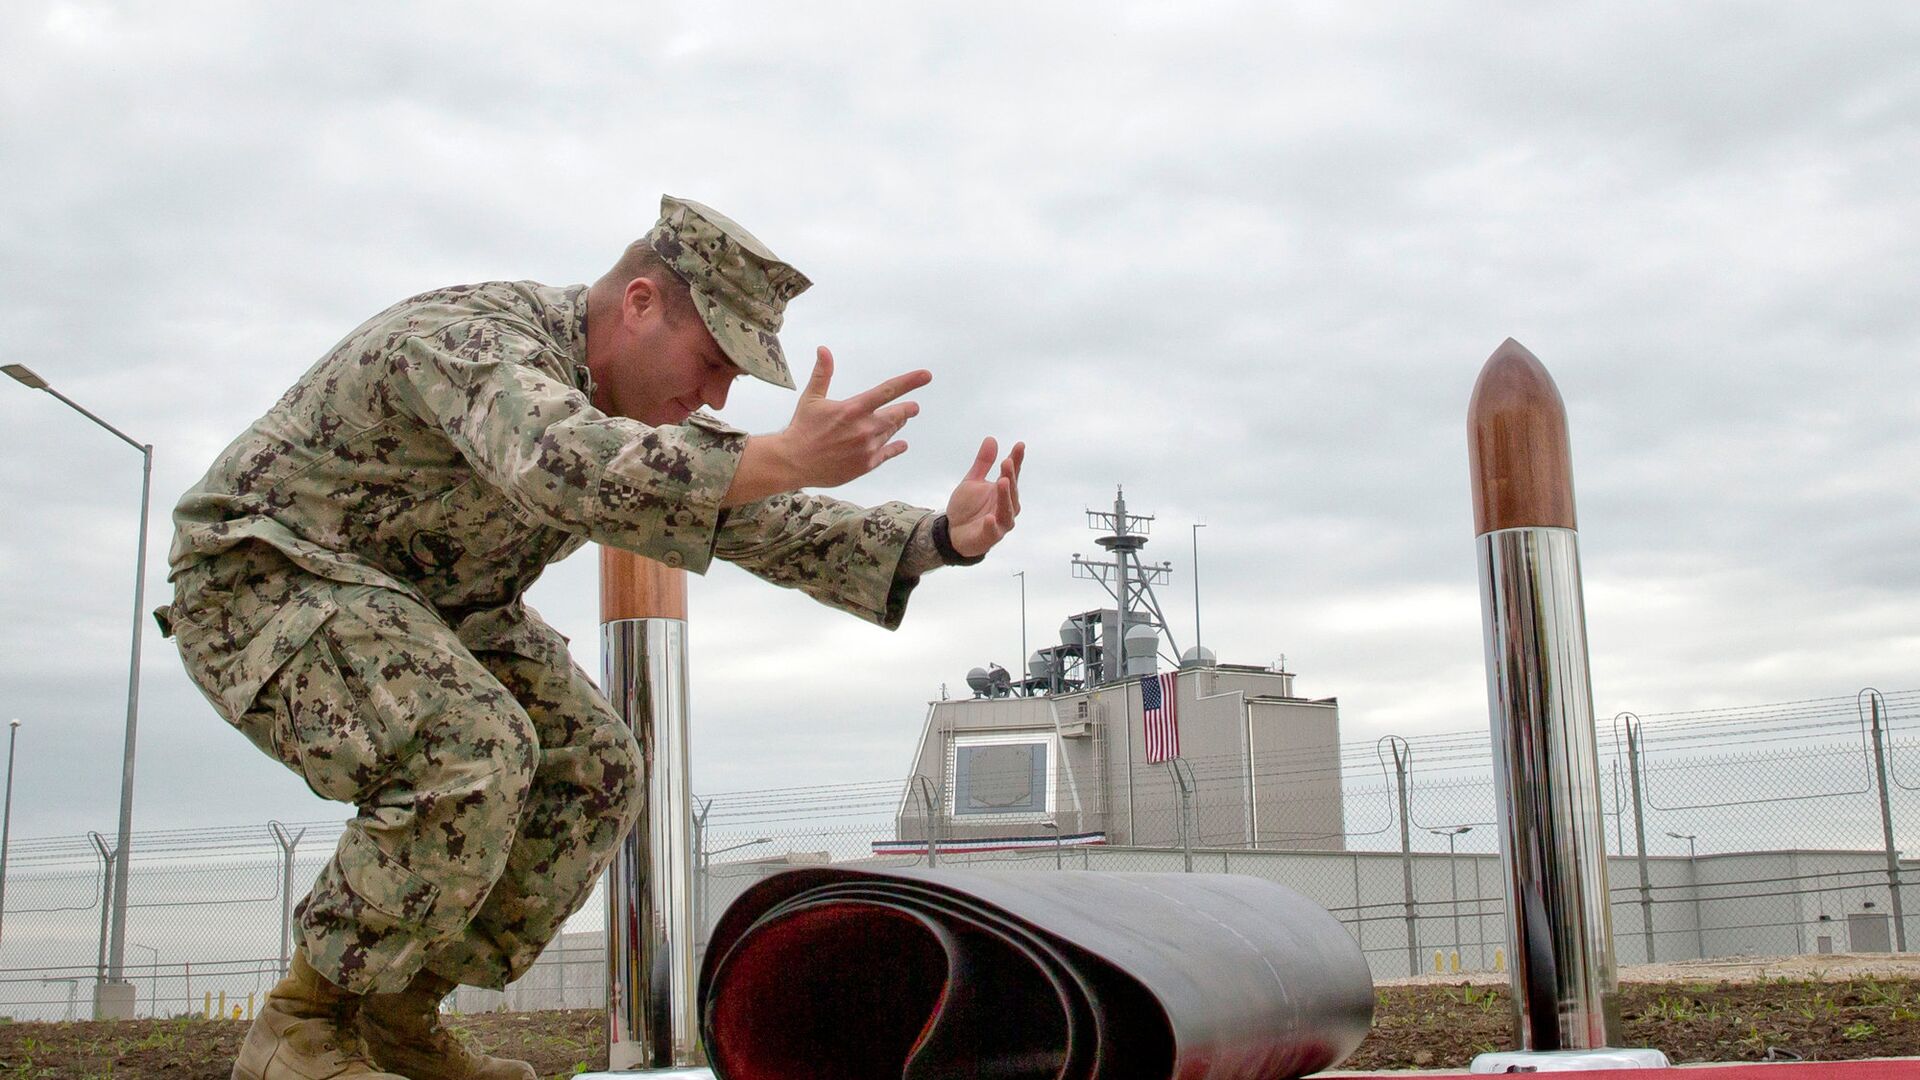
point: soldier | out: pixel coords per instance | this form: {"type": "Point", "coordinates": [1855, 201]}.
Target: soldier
{"type": "Point", "coordinates": [348, 582]}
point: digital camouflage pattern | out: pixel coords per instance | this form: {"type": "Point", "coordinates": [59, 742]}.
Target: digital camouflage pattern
{"type": "Point", "coordinates": [739, 286]}
{"type": "Point", "coordinates": [348, 582]}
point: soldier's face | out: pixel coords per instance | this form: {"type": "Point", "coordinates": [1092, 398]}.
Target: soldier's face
{"type": "Point", "coordinates": [689, 373]}
{"type": "Point", "coordinates": [666, 367]}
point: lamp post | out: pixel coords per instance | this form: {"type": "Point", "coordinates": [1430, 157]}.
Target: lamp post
{"type": "Point", "coordinates": [706, 861]}
{"type": "Point", "coordinates": [122, 851]}
{"type": "Point", "coordinates": [1453, 876]}
{"type": "Point", "coordinates": [6, 817]}
{"type": "Point", "coordinates": [1196, 586]}
{"type": "Point", "coordinates": [1054, 827]}
{"type": "Point", "coordinates": [1026, 672]}
{"type": "Point", "coordinates": [1693, 871]}
{"type": "Point", "coordinates": [153, 979]}
{"type": "Point", "coordinates": [73, 991]}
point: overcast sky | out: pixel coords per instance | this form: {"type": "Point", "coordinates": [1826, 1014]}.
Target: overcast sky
{"type": "Point", "coordinates": [1245, 259]}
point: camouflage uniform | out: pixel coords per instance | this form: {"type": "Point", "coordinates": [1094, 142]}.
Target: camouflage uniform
{"type": "Point", "coordinates": [348, 580]}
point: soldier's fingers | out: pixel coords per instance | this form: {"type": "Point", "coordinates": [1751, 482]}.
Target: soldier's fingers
{"type": "Point", "coordinates": [822, 374]}
{"type": "Point", "coordinates": [983, 460]}
{"type": "Point", "coordinates": [1006, 509]}
{"type": "Point", "coordinates": [895, 417]}
{"type": "Point", "coordinates": [1010, 474]}
{"type": "Point", "coordinates": [1019, 457]}
{"type": "Point", "coordinates": [890, 451]}
{"type": "Point", "coordinates": [898, 386]}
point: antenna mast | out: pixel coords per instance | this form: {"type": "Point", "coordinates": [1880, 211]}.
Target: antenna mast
{"type": "Point", "coordinates": [1129, 581]}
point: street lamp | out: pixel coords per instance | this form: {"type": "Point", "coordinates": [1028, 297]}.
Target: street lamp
{"type": "Point", "coordinates": [25, 376]}
{"type": "Point", "coordinates": [1693, 869]}
{"type": "Point", "coordinates": [1026, 672]}
{"type": "Point", "coordinates": [1196, 586]}
{"type": "Point", "coordinates": [1054, 826]}
{"type": "Point", "coordinates": [153, 980]}
{"type": "Point", "coordinates": [1453, 834]}
{"type": "Point", "coordinates": [6, 817]}
{"type": "Point", "coordinates": [706, 863]}
{"type": "Point", "coordinates": [73, 991]}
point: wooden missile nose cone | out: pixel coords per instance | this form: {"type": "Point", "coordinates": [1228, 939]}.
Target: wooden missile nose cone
{"type": "Point", "coordinates": [636, 587]}
{"type": "Point", "coordinates": [1517, 445]}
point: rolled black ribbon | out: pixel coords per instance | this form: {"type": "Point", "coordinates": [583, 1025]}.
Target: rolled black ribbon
{"type": "Point", "coordinates": [925, 974]}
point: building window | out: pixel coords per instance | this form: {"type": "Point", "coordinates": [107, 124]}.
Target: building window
{"type": "Point", "coordinates": [1003, 776]}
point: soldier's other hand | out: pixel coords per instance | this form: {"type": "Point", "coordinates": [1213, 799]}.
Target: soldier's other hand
{"type": "Point", "coordinates": [832, 442]}
{"type": "Point", "coordinates": [982, 510]}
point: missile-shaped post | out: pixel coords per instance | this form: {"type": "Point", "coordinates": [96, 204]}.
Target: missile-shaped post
{"type": "Point", "coordinates": [1541, 703]}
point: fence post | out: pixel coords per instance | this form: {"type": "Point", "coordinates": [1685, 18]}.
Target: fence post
{"type": "Point", "coordinates": [700, 870]}
{"type": "Point", "coordinates": [106, 886]}
{"type": "Point", "coordinates": [928, 797]}
{"type": "Point", "coordinates": [1183, 776]}
{"type": "Point", "coordinates": [1886, 823]}
{"type": "Point", "coordinates": [1402, 759]}
{"type": "Point", "coordinates": [1359, 908]}
{"type": "Point", "coordinates": [1640, 830]}
{"type": "Point", "coordinates": [287, 844]}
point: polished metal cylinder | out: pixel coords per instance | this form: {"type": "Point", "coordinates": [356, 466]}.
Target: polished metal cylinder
{"type": "Point", "coordinates": [651, 1019]}
{"type": "Point", "coordinates": [1547, 782]}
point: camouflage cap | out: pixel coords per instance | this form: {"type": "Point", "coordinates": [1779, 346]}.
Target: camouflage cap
{"type": "Point", "coordinates": [740, 288]}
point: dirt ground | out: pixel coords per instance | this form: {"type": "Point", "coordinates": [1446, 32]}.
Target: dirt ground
{"type": "Point", "coordinates": [1812, 1008]}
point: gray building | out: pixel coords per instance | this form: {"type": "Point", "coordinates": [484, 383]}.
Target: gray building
{"type": "Point", "coordinates": [1079, 750]}
{"type": "Point", "coordinates": [1261, 768]}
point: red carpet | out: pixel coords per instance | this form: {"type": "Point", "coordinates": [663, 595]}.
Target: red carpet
{"type": "Point", "coordinates": [1890, 1069]}
{"type": "Point", "coordinates": [1905, 1069]}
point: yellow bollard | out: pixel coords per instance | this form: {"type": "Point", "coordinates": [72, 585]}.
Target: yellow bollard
{"type": "Point", "coordinates": [1439, 962]}
{"type": "Point", "coordinates": [250, 994]}
{"type": "Point", "coordinates": [1499, 960]}
{"type": "Point", "coordinates": [206, 1007]}
{"type": "Point", "coordinates": [1453, 963]}
{"type": "Point", "coordinates": [223, 1005]}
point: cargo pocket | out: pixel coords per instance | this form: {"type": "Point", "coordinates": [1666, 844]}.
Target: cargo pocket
{"type": "Point", "coordinates": [231, 647]}
{"type": "Point", "coordinates": [338, 717]}
{"type": "Point", "coordinates": [369, 918]}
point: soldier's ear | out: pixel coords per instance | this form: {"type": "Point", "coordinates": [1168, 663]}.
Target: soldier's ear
{"type": "Point", "coordinates": [642, 298]}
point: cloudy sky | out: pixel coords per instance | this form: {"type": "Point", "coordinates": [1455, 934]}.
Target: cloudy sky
{"type": "Point", "coordinates": [1245, 259]}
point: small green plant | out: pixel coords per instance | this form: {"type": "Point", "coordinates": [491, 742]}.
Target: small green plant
{"type": "Point", "coordinates": [1675, 1009]}
{"type": "Point", "coordinates": [1485, 999]}
{"type": "Point", "coordinates": [1858, 1030]}
{"type": "Point", "coordinates": [1876, 993]}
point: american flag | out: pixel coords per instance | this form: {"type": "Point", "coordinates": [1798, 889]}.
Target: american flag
{"type": "Point", "coordinates": [1162, 717]}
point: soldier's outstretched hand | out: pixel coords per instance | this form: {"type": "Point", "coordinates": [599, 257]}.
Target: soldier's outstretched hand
{"type": "Point", "coordinates": [833, 442]}
{"type": "Point", "coordinates": [982, 510]}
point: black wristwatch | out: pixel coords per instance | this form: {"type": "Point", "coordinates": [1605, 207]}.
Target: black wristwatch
{"type": "Point", "coordinates": [943, 543]}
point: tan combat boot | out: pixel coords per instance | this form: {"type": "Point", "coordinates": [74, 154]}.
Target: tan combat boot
{"type": "Point", "coordinates": [404, 1033]}
{"type": "Point", "coordinates": [304, 1031]}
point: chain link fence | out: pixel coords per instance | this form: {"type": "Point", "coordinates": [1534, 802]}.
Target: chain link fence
{"type": "Point", "coordinates": [1758, 830]}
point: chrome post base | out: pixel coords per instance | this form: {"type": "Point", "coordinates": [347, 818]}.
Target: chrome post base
{"type": "Point", "coordinates": [651, 1023]}
{"type": "Point", "coordinates": [1529, 1061]}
